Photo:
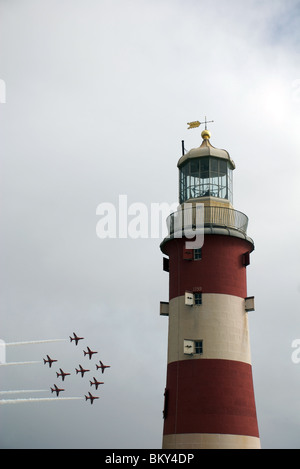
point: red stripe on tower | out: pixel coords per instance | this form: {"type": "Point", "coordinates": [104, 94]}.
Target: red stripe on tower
{"type": "Point", "coordinates": [222, 269]}
{"type": "Point", "coordinates": [218, 399]}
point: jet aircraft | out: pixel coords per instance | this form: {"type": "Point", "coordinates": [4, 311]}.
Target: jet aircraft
{"type": "Point", "coordinates": [96, 383]}
{"type": "Point", "coordinates": [62, 374]}
{"type": "Point", "coordinates": [50, 361]}
{"type": "Point", "coordinates": [81, 370]}
{"type": "Point", "coordinates": [76, 338]}
{"type": "Point", "coordinates": [102, 366]}
{"type": "Point", "coordinates": [91, 397]}
{"type": "Point", "coordinates": [56, 389]}
{"type": "Point", "coordinates": [89, 352]}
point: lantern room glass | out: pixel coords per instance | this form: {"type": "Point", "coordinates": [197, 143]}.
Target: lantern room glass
{"type": "Point", "coordinates": [205, 177]}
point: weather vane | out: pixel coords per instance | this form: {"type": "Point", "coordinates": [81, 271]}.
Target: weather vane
{"type": "Point", "coordinates": [194, 124]}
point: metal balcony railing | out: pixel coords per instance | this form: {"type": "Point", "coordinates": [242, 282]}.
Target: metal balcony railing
{"type": "Point", "coordinates": [213, 217]}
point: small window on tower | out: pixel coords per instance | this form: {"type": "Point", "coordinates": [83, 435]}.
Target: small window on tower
{"type": "Point", "coordinates": [246, 258]}
{"type": "Point", "coordinates": [199, 347]}
{"type": "Point", "coordinates": [198, 298]}
{"type": "Point", "coordinates": [198, 254]}
{"type": "Point", "coordinates": [166, 263]}
{"type": "Point", "coordinates": [193, 347]}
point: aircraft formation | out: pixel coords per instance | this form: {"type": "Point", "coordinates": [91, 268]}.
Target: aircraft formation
{"type": "Point", "coordinates": [80, 370]}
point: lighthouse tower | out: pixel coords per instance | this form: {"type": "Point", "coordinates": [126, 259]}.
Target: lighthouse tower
{"type": "Point", "coordinates": [209, 396]}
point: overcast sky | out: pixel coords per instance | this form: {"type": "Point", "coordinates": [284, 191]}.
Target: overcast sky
{"type": "Point", "coordinates": [98, 94]}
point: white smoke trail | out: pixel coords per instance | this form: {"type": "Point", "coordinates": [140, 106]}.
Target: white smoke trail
{"type": "Point", "coordinates": [23, 391]}
{"type": "Point", "coordinates": [36, 342]}
{"type": "Point", "coordinates": [41, 399]}
{"type": "Point", "coordinates": [19, 363]}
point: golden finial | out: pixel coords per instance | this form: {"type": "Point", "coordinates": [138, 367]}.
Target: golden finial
{"type": "Point", "coordinates": [205, 134]}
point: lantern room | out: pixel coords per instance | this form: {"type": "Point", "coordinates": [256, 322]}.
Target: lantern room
{"type": "Point", "coordinates": [206, 173]}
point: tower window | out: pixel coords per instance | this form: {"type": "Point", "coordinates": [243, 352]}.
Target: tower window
{"type": "Point", "coordinates": [198, 298]}
{"type": "Point", "coordinates": [198, 254]}
{"type": "Point", "coordinates": [199, 347]}
{"type": "Point", "coordinates": [193, 347]}
{"type": "Point", "coordinates": [166, 264]}
{"type": "Point", "coordinates": [246, 258]}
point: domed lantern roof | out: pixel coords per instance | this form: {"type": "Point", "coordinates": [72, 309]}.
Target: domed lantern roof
{"type": "Point", "coordinates": [206, 149]}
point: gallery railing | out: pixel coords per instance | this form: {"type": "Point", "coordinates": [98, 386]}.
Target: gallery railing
{"type": "Point", "coordinates": [190, 218]}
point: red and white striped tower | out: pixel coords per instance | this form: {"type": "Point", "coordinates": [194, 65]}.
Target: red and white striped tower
{"type": "Point", "coordinates": [209, 396]}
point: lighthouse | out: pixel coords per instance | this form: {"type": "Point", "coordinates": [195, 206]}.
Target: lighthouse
{"type": "Point", "coordinates": [209, 400]}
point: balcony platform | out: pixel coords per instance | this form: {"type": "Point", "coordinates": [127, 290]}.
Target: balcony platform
{"type": "Point", "coordinates": [217, 220]}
